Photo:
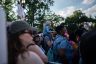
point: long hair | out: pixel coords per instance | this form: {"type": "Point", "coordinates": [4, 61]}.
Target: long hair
{"type": "Point", "coordinates": [15, 47]}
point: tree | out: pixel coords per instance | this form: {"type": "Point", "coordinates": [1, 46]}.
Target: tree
{"type": "Point", "coordinates": [36, 9]}
{"type": "Point", "coordinates": [50, 16]}
{"type": "Point", "coordinates": [77, 17]}
{"type": "Point", "coordinates": [56, 19]}
{"type": "Point", "coordinates": [8, 5]}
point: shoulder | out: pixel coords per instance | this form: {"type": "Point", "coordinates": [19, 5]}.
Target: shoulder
{"type": "Point", "coordinates": [61, 42]}
{"type": "Point", "coordinates": [29, 58]}
{"type": "Point", "coordinates": [36, 49]}
{"type": "Point", "coordinates": [33, 47]}
{"type": "Point", "coordinates": [59, 38]}
{"type": "Point", "coordinates": [24, 58]}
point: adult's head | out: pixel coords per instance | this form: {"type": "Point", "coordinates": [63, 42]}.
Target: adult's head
{"type": "Point", "coordinates": [20, 36]}
{"type": "Point", "coordinates": [88, 47]}
{"type": "Point", "coordinates": [34, 31]}
{"type": "Point", "coordinates": [60, 29]}
{"type": "Point", "coordinates": [72, 28]}
{"type": "Point", "coordinates": [17, 29]}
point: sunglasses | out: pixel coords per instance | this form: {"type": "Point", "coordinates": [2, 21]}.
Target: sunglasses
{"type": "Point", "coordinates": [26, 31]}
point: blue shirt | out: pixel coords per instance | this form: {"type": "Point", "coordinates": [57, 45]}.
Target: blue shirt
{"type": "Point", "coordinates": [46, 30]}
{"type": "Point", "coordinates": [62, 42]}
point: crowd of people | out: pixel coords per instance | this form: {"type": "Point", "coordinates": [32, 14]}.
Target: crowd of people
{"type": "Point", "coordinates": [62, 45]}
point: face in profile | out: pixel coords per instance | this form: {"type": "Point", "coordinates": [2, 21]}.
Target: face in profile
{"type": "Point", "coordinates": [26, 37]}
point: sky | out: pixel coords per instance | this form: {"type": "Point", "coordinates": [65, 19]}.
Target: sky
{"type": "Point", "coordinates": [66, 8]}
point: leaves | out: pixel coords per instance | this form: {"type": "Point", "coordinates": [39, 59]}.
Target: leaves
{"type": "Point", "coordinates": [8, 5]}
{"type": "Point", "coordinates": [36, 10]}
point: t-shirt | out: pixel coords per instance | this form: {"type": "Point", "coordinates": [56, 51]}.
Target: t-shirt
{"type": "Point", "coordinates": [46, 30]}
{"type": "Point", "coordinates": [62, 42]}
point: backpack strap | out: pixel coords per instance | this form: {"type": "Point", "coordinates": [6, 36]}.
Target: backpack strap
{"type": "Point", "coordinates": [30, 45]}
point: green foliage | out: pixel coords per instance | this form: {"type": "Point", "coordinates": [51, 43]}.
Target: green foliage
{"type": "Point", "coordinates": [36, 9]}
{"type": "Point", "coordinates": [78, 17]}
{"type": "Point", "coordinates": [49, 16]}
{"type": "Point", "coordinates": [56, 19]}
{"type": "Point", "coordinates": [7, 4]}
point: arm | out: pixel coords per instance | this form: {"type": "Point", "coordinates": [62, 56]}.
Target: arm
{"type": "Point", "coordinates": [35, 58]}
{"type": "Point", "coordinates": [39, 52]}
{"type": "Point", "coordinates": [49, 43]}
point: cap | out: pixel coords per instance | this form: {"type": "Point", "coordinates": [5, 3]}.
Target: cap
{"type": "Point", "coordinates": [18, 26]}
